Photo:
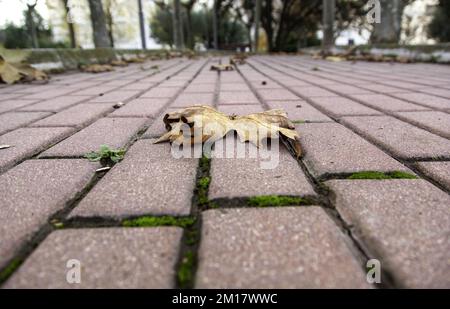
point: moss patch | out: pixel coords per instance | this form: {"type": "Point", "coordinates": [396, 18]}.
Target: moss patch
{"type": "Point", "coordinates": [148, 221]}
{"type": "Point", "coordinates": [8, 270]}
{"type": "Point", "coordinates": [381, 175]}
{"type": "Point", "coordinates": [186, 271]}
{"type": "Point", "coordinates": [203, 182]}
{"type": "Point", "coordinates": [274, 200]}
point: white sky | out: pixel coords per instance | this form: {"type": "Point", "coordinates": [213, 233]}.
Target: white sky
{"type": "Point", "coordinates": [12, 11]}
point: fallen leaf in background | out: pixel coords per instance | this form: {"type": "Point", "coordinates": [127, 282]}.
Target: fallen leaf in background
{"type": "Point", "coordinates": [238, 59]}
{"type": "Point", "coordinates": [222, 67]}
{"type": "Point", "coordinates": [214, 125]}
{"type": "Point", "coordinates": [97, 68]}
{"type": "Point", "coordinates": [119, 63]}
{"type": "Point", "coordinates": [21, 72]}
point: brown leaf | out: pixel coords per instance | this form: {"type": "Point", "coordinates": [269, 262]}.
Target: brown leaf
{"type": "Point", "coordinates": [222, 67]}
{"type": "Point", "coordinates": [97, 68]}
{"type": "Point", "coordinates": [119, 63]}
{"type": "Point", "coordinates": [12, 73]}
{"type": "Point", "coordinates": [214, 125]}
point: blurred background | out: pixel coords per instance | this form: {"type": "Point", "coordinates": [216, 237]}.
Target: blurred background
{"type": "Point", "coordinates": [246, 25]}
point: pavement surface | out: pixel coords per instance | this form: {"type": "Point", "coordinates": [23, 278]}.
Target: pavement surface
{"type": "Point", "coordinates": [374, 182]}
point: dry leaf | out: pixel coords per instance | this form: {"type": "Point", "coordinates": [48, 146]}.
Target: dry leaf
{"type": "Point", "coordinates": [11, 73]}
{"type": "Point", "coordinates": [222, 67]}
{"type": "Point", "coordinates": [97, 68]}
{"type": "Point", "coordinates": [214, 125]}
{"type": "Point", "coordinates": [119, 63]}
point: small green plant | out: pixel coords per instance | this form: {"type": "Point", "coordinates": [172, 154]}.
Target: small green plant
{"type": "Point", "coordinates": [274, 200]}
{"type": "Point", "coordinates": [8, 270]}
{"type": "Point", "coordinates": [185, 272]}
{"type": "Point", "coordinates": [159, 221]}
{"type": "Point", "coordinates": [106, 155]}
{"type": "Point", "coordinates": [381, 176]}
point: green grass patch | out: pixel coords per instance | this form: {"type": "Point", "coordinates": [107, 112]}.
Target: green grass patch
{"type": "Point", "coordinates": [148, 221]}
{"type": "Point", "coordinates": [106, 155]}
{"type": "Point", "coordinates": [274, 200]}
{"type": "Point", "coordinates": [186, 271]}
{"type": "Point", "coordinates": [8, 270]}
{"type": "Point", "coordinates": [381, 175]}
{"type": "Point", "coordinates": [299, 122]}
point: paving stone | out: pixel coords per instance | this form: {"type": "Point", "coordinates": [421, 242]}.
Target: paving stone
{"type": "Point", "coordinates": [160, 92]}
{"type": "Point", "coordinates": [425, 99]}
{"type": "Point", "coordinates": [144, 107]}
{"type": "Point", "coordinates": [437, 91]}
{"type": "Point", "coordinates": [109, 257]}
{"type": "Point", "coordinates": [312, 91]}
{"type": "Point", "coordinates": [199, 88]}
{"type": "Point", "coordinates": [27, 142]}
{"type": "Point", "coordinates": [148, 181]}
{"type": "Point", "coordinates": [240, 110]}
{"type": "Point", "coordinates": [275, 248]}
{"type": "Point", "coordinates": [277, 95]}
{"type": "Point", "coordinates": [383, 88]}
{"type": "Point", "coordinates": [95, 91]}
{"type": "Point", "coordinates": [340, 106]}
{"type": "Point", "coordinates": [265, 84]}
{"type": "Point", "coordinates": [235, 87]}
{"type": "Point", "coordinates": [11, 121]}
{"type": "Point", "coordinates": [330, 148]}
{"type": "Point", "coordinates": [387, 103]}
{"type": "Point", "coordinates": [138, 86]}
{"type": "Point", "coordinates": [115, 96]}
{"type": "Point", "coordinates": [436, 122]}
{"type": "Point", "coordinates": [31, 192]}
{"type": "Point", "coordinates": [189, 99]}
{"type": "Point", "coordinates": [406, 225]}
{"type": "Point", "coordinates": [55, 104]}
{"type": "Point", "coordinates": [114, 132]}
{"type": "Point", "coordinates": [299, 111]}
{"type": "Point", "coordinates": [10, 105]}
{"type": "Point", "coordinates": [439, 171]}
{"type": "Point", "coordinates": [77, 116]}
{"type": "Point", "coordinates": [347, 89]}
{"type": "Point", "coordinates": [403, 139]}
{"type": "Point", "coordinates": [237, 97]}
{"type": "Point", "coordinates": [48, 94]}
{"type": "Point", "coordinates": [271, 173]}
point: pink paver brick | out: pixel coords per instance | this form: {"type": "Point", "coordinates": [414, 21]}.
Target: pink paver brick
{"type": "Point", "coordinates": [199, 88]}
{"type": "Point", "coordinates": [77, 116]}
{"type": "Point", "coordinates": [436, 122]}
{"type": "Point", "coordinates": [143, 107]}
{"type": "Point", "coordinates": [277, 95]}
{"type": "Point", "coordinates": [55, 104]}
{"type": "Point", "coordinates": [404, 223]}
{"type": "Point", "coordinates": [27, 142]}
{"type": "Point", "coordinates": [114, 132]}
{"type": "Point", "coordinates": [32, 192]}
{"type": "Point", "coordinates": [237, 97]}
{"type": "Point", "coordinates": [340, 106]}
{"type": "Point", "coordinates": [116, 96]}
{"type": "Point", "coordinates": [161, 92]}
{"type": "Point", "coordinates": [149, 181]}
{"type": "Point", "coordinates": [189, 99]}
{"type": "Point", "coordinates": [425, 99]}
{"type": "Point", "coordinates": [312, 91]}
{"type": "Point", "coordinates": [240, 110]}
{"type": "Point", "coordinates": [95, 91]}
{"type": "Point", "coordinates": [438, 171]}
{"type": "Point", "coordinates": [234, 87]}
{"type": "Point", "coordinates": [11, 121]}
{"type": "Point", "coordinates": [10, 105]}
{"type": "Point", "coordinates": [387, 103]}
{"type": "Point", "coordinates": [300, 111]}
{"type": "Point", "coordinates": [403, 139]}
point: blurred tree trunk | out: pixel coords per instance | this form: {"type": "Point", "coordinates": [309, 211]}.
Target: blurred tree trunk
{"type": "Point", "coordinates": [328, 13]}
{"type": "Point", "coordinates": [267, 22]}
{"type": "Point", "coordinates": [257, 22]}
{"type": "Point", "coordinates": [388, 31]}
{"type": "Point", "coordinates": [177, 25]}
{"type": "Point", "coordinates": [142, 25]}
{"type": "Point", "coordinates": [99, 30]}
{"type": "Point", "coordinates": [216, 24]}
{"type": "Point", "coordinates": [190, 37]}
{"type": "Point", "coordinates": [109, 22]}
{"type": "Point", "coordinates": [72, 37]}
{"type": "Point", "coordinates": [32, 25]}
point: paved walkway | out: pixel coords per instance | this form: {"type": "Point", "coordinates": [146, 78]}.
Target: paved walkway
{"type": "Point", "coordinates": [154, 221]}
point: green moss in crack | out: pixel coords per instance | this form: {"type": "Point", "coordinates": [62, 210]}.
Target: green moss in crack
{"type": "Point", "coordinates": [191, 237]}
{"type": "Point", "coordinates": [186, 271]}
{"type": "Point", "coordinates": [381, 176]}
{"type": "Point", "coordinates": [8, 270]}
{"type": "Point", "coordinates": [299, 122]}
{"type": "Point", "coordinates": [148, 221]}
{"type": "Point", "coordinates": [274, 200]}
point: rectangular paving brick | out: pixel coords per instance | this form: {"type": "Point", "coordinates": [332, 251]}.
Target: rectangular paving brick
{"type": "Point", "coordinates": [11, 121]}
{"type": "Point", "coordinates": [404, 223]}
{"type": "Point", "coordinates": [234, 87]}
{"type": "Point", "coordinates": [240, 110]}
{"type": "Point", "coordinates": [114, 132]}
{"type": "Point", "coordinates": [264, 83]}
{"type": "Point", "coordinates": [148, 181]}
{"type": "Point", "coordinates": [340, 106]}
{"type": "Point", "coordinates": [347, 89]}
{"type": "Point", "coordinates": [299, 111]}
{"type": "Point", "coordinates": [161, 92]}
{"type": "Point", "coordinates": [77, 116]}
{"type": "Point", "coordinates": [115, 96]}
{"type": "Point", "coordinates": [436, 122]}
{"type": "Point", "coordinates": [189, 99]}
{"type": "Point", "coordinates": [237, 97]}
{"type": "Point", "coordinates": [425, 99]}
{"type": "Point", "coordinates": [48, 94]}
{"type": "Point", "coordinates": [313, 91]}
{"type": "Point", "coordinates": [95, 91]}
{"type": "Point", "coordinates": [276, 174]}
{"type": "Point", "coordinates": [277, 95]}
{"type": "Point", "coordinates": [438, 171]}
{"type": "Point", "coordinates": [383, 88]}
{"type": "Point", "coordinates": [275, 248]}
{"type": "Point", "coordinates": [140, 258]}
{"type": "Point", "coordinates": [330, 148]}
{"type": "Point", "coordinates": [55, 104]}
{"type": "Point", "coordinates": [13, 104]}
{"type": "Point", "coordinates": [143, 107]}
{"type": "Point", "coordinates": [403, 139]}
{"type": "Point", "coordinates": [27, 142]}
{"type": "Point", "coordinates": [199, 88]}
{"type": "Point", "coordinates": [386, 103]}
{"type": "Point", "coordinates": [32, 192]}
{"type": "Point", "coordinates": [437, 91]}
